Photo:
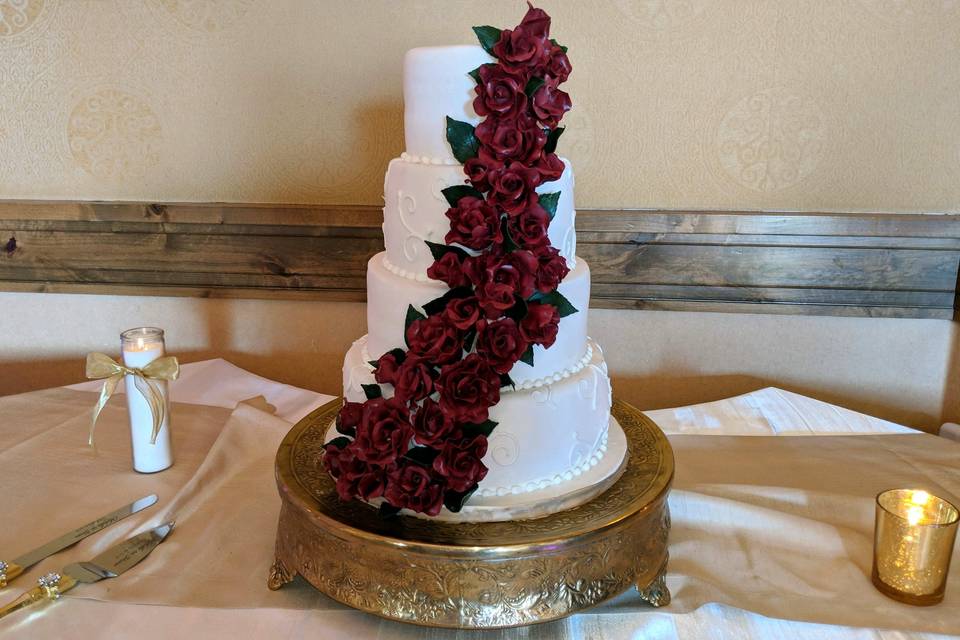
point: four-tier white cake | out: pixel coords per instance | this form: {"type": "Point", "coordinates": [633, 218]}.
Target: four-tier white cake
{"type": "Point", "coordinates": [555, 444]}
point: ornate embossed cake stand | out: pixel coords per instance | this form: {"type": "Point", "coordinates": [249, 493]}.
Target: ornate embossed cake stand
{"type": "Point", "coordinates": [479, 574]}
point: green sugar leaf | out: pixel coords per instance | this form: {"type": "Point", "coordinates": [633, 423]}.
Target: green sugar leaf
{"type": "Point", "coordinates": [463, 142]}
{"type": "Point", "coordinates": [488, 36]}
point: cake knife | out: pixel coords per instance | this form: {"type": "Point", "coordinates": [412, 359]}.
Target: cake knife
{"type": "Point", "coordinates": [9, 571]}
{"type": "Point", "coordinates": [109, 564]}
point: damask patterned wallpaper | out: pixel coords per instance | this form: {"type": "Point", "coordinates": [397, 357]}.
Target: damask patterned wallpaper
{"type": "Point", "coordinates": [757, 104]}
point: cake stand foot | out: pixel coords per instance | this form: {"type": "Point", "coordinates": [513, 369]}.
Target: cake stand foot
{"type": "Point", "coordinates": [656, 592]}
{"type": "Point", "coordinates": [279, 575]}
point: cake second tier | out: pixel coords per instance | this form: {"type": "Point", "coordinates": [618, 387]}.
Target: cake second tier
{"type": "Point", "coordinates": [390, 294]}
{"type": "Point", "coordinates": [415, 207]}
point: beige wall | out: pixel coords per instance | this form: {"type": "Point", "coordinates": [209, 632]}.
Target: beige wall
{"type": "Point", "coordinates": [748, 104]}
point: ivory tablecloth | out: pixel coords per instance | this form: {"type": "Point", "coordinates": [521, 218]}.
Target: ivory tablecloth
{"type": "Point", "coordinates": [771, 536]}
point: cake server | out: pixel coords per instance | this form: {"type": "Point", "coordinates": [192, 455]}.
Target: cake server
{"type": "Point", "coordinates": [12, 569]}
{"type": "Point", "coordinates": [108, 564]}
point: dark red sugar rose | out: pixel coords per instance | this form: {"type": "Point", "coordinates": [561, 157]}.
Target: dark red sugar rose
{"type": "Point", "coordinates": [550, 167]}
{"type": "Point", "coordinates": [551, 269]}
{"type": "Point", "coordinates": [468, 389]}
{"type": "Point", "coordinates": [520, 139]}
{"type": "Point", "coordinates": [384, 431]}
{"type": "Point", "coordinates": [448, 269]}
{"type": "Point", "coordinates": [411, 486]}
{"type": "Point", "coordinates": [524, 50]}
{"type": "Point", "coordinates": [473, 224]}
{"type": "Point", "coordinates": [500, 279]}
{"type": "Point", "coordinates": [499, 93]}
{"type": "Point", "coordinates": [414, 380]}
{"type": "Point", "coordinates": [550, 103]}
{"type": "Point", "coordinates": [558, 65]}
{"type": "Point", "coordinates": [460, 462]}
{"type": "Point", "coordinates": [462, 313]}
{"type": "Point", "coordinates": [541, 324]}
{"type": "Point", "coordinates": [350, 414]}
{"type": "Point", "coordinates": [479, 166]}
{"type": "Point", "coordinates": [435, 340]}
{"type": "Point", "coordinates": [432, 427]}
{"type": "Point", "coordinates": [512, 187]}
{"type": "Point", "coordinates": [500, 343]}
{"type": "Point", "coordinates": [354, 477]}
{"type": "Point", "coordinates": [529, 229]}
{"type": "Point", "coordinates": [387, 366]}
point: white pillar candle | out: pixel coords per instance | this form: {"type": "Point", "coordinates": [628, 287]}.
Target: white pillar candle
{"type": "Point", "coordinates": [141, 347]}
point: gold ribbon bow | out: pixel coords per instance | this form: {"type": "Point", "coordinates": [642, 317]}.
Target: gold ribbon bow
{"type": "Point", "coordinates": [102, 367]}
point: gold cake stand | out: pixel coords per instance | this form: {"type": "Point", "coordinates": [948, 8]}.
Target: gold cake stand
{"type": "Point", "coordinates": [475, 575]}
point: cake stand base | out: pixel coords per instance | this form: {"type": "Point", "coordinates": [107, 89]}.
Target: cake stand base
{"type": "Point", "coordinates": [475, 575]}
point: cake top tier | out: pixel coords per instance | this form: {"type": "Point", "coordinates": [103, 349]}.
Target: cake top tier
{"type": "Point", "coordinates": [436, 84]}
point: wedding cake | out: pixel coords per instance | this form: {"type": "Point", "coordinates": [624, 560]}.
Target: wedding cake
{"type": "Point", "coordinates": [476, 393]}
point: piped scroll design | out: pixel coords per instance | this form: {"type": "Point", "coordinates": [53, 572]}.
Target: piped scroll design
{"type": "Point", "coordinates": [414, 241]}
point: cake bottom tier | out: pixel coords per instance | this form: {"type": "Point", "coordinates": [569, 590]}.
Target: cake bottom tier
{"type": "Point", "coordinates": [552, 435]}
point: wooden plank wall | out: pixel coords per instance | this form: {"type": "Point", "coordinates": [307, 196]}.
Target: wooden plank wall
{"type": "Point", "coordinates": [864, 264]}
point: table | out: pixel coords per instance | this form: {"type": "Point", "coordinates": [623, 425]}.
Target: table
{"type": "Point", "coordinates": [771, 535]}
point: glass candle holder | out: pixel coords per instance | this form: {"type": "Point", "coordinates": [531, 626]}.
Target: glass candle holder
{"type": "Point", "coordinates": [140, 347]}
{"type": "Point", "coordinates": [913, 542]}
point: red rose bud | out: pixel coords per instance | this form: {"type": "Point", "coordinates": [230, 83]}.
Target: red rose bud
{"type": "Point", "coordinates": [432, 427]}
{"type": "Point", "coordinates": [550, 103]}
{"type": "Point", "coordinates": [536, 21]}
{"type": "Point", "coordinates": [500, 343]}
{"type": "Point", "coordinates": [462, 313]}
{"type": "Point", "coordinates": [550, 167]}
{"type": "Point", "coordinates": [414, 381]}
{"type": "Point", "coordinates": [529, 229]}
{"type": "Point", "coordinates": [473, 224]}
{"type": "Point", "coordinates": [460, 463]}
{"type": "Point", "coordinates": [387, 366]}
{"type": "Point", "coordinates": [521, 51]}
{"type": "Point", "coordinates": [499, 93]}
{"type": "Point", "coordinates": [448, 269]}
{"type": "Point", "coordinates": [435, 340]}
{"type": "Point", "coordinates": [552, 269]}
{"type": "Point", "coordinates": [541, 324]}
{"type": "Point", "coordinates": [349, 415]}
{"type": "Point", "coordinates": [558, 66]}
{"type": "Point", "coordinates": [413, 487]}
{"type": "Point", "coordinates": [512, 187]}
{"type": "Point", "coordinates": [468, 388]}
{"type": "Point", "coordinates": [520, 139]}
{"type": "Point", "coordinates": [384, 431]}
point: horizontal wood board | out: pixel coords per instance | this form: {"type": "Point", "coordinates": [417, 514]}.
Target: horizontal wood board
{"type": "Point", "coordinates": [860, 264]}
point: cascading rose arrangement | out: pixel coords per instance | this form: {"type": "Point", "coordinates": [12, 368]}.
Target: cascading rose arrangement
{"type": "Point", "coordinates": [422, 448]}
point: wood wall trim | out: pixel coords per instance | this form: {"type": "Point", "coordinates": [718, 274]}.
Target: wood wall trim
{"type": "Point", "coordinates": [853, 264]}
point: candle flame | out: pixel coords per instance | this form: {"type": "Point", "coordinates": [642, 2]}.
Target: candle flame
{"type": "Point", "coordinates": [920, 497]}
{"type": "Point", "coordinates": [914, 515]}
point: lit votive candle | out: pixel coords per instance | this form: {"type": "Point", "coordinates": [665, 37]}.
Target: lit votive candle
{"type": "Point", "coordinates": [913, 542]}
{"type": "Point", "coordinates": [141, 347]}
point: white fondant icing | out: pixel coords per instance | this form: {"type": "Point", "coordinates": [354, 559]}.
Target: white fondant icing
{"type": "Point", "coordinates": [415, 209]}
{"type": "Point", "coordinates": [525, 449]}
{"type": "Point", "coordinates": [436, 85]}
{"type": "Point", "coordinates": [390, 293]}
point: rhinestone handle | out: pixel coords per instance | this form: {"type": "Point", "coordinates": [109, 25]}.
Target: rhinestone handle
{"type": "Point", "coordinates": [8, 571]}
{"type": "Point", "coordinates": [49, 587]}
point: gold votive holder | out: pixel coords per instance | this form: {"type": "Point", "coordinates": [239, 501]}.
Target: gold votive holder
{"type": "Point", "coordinates": [912, 545]}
